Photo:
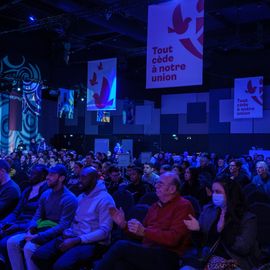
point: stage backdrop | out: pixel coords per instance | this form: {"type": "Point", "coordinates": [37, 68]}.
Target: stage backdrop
{"type": "Point", "coordinates": [248, 97]}
{"type": "Point", "coordinates": [175, 44]}
{"type": "Point", "coordinates": [101, 85]}
{"type": "Point", "coordinates": [19, 112]}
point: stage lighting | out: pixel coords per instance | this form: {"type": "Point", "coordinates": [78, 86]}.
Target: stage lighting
{"type": "Point", "coordinates": [19, 89]}
{"type": "Point", "coordinates": [82, 99]}
{"type": "Point", "coordinates": [31, 18]}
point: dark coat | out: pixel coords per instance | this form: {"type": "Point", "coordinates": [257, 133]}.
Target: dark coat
{"type": "Point", "coordinates": [241, 247]}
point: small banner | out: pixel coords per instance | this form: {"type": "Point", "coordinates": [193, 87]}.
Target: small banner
{"type": "Point", "coordinates": [175, 44]}
{"type": "Point", "coordinates": [101, 85]}
{"type": "Point", "coordinates": [248, 97]}
{"type": "Point", "coordinates": [15, 111]}
{"type": "Point", "coordinates": [65, 103]}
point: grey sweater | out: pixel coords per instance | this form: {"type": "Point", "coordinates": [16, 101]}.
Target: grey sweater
{"type": "Point", "coordinates": [59, 207]}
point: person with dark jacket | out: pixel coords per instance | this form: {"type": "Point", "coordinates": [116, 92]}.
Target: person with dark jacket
{"type": "Point", "coordinates": [226, 224]}
{"type": "Point", "coordinates": [137, 186]}
{"type": "Point", "coordinates": [9, 190]}
{"type": "Point", "coordinates": [193, 187]}
{"type": "Point", "coordinates": [19, 219]}
{"type": "Point", "coordinates": [115, 181]}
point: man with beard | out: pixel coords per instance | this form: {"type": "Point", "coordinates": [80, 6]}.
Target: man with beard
{"type": "Point", "coordinates": [89, 234]}
{"type": "Point", "coordinates": [19, 219]}
{"type": "Point", "coordinates": [55, 212]}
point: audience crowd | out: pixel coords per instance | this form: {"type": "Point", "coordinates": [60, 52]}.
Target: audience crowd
{"type": "Point", "coordinates": [61, 210]}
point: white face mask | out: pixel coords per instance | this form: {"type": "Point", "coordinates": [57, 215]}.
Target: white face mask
{"type": "Point", "coordinates": [218, 199]}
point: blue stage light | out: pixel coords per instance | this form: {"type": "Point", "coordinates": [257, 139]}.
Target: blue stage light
{"type": "Point", "coordinates": [31, 18]}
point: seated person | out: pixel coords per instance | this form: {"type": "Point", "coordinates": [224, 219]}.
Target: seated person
{"type": "Point", "coordinates": [237, 174]}
{"type": "Point", "coordinates": [89, 233]}
{"type": "Point", "coordinates": [19, 219]}
{"type": "Point", "coordinates": [115, 180]}
{"type": "Point", "coordinates": [138, 187]}
{"type": "Point", "coordinates": [226, 227]}
{"type": "Point", "coordinates": [193, 187]}
{"type": "Point", "coordinates": [262, 179]}
{"type": "Point", "coordinates": [73, 183]}
{"type": "Point", "coordinates": [56, 210]}
{"type": "Point", "coordinates": [9, 190]}
{"type": "Point", "coordinates": [148, 174]}
{"type": "Point", "coordinates": [163, 234]}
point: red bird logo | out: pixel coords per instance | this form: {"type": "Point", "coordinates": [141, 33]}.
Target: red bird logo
{"type": "Point", "coordinates": [102, 99]}
{"type": "Point", "coordinates": [93, 81]}
{"type": "Point", "coordinates": [250, 89]}
{"type": "Point", "coordinates": [180, 25]}
{"type": "Point", "coordinates": [100, 66]}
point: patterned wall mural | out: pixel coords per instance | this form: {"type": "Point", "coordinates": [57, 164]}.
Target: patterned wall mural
{"type": "Point", "coordinates": [26, 78]}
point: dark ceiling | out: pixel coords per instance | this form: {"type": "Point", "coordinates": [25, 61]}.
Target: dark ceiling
{"type": "Point", "coordinates": [236, 43]}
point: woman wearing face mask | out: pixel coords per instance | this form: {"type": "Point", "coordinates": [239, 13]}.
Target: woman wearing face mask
{"type": "Point", "coordinates": [225, 227]}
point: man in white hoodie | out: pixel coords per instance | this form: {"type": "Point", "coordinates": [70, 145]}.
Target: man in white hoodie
{"type": "Point", "coordinates": [89, 234]}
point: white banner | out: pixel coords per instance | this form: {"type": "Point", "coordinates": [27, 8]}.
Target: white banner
{"type": "Point", "coordinates": [248, 97]}
{"type": "Point", "coordinates": [175, 44]}
{"type": "Point", "coordinates": [101, 85]}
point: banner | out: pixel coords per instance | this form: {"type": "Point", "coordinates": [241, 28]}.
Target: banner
{"type": "Point", "coordinates": [65, 107]}
{"type": "Point", "coordinates": [248, 97]}
{"type": "Point", "coordinates": [101, 85]}
{"type": "Point", "coordinates": [15, 111]}
{"type": "Point", "coordinates": [175, 44]}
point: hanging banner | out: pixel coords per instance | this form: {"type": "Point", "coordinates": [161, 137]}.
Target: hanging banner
{"type": "Point", "coordinates": [175, 44]}
{"type": "Point", "coordinates": [15, 111]}
{"type": "Point", "coordinates": [101, 85]}
{"type": "Point", "coordinates": [248, 97]}
{"type": "Point", "coordinates": [65, 103]}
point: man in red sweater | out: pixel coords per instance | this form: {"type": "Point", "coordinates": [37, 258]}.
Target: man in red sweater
{"type": "Point", "coordinates": [163, 233]}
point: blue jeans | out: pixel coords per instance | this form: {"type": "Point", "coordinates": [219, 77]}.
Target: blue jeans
{"type": "Point", "coordinates": [49, 255]}
{"type": "Point", "coordinates": [128, 255]}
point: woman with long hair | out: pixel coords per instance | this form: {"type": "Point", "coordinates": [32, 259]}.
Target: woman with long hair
{"type": "Point", "coordinates": [193, 187]}
{"type": "Point", "coordinates": [225, 228]}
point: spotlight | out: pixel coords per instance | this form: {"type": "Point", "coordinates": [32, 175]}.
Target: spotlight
{"type": "Point", "coordinates": [31, 18]}
{"type": "Point", "coordinates": [82, 99]}
{"type": "Point", "coordinates": [19, 89]}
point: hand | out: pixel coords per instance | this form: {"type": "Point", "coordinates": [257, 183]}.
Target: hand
{"type": "Point", "coordinates": [29, 236]}
{"type": "Point", "coordinates": [192, 223]}
{"type": "Point", "coordinates": [208, 191]}
{"type": "Point", "coordinates": [69, 243]}
{"type": "Point", "coordinates": [12, 229]}
{"type": "Point", "coordinates": [68, 234]}
{"type": "Point", "coordinates": [221, 222]}
{"type": "Point", "coordinates": [136, 227]}
{"type": "Point", "coordinates": [118, 216]}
